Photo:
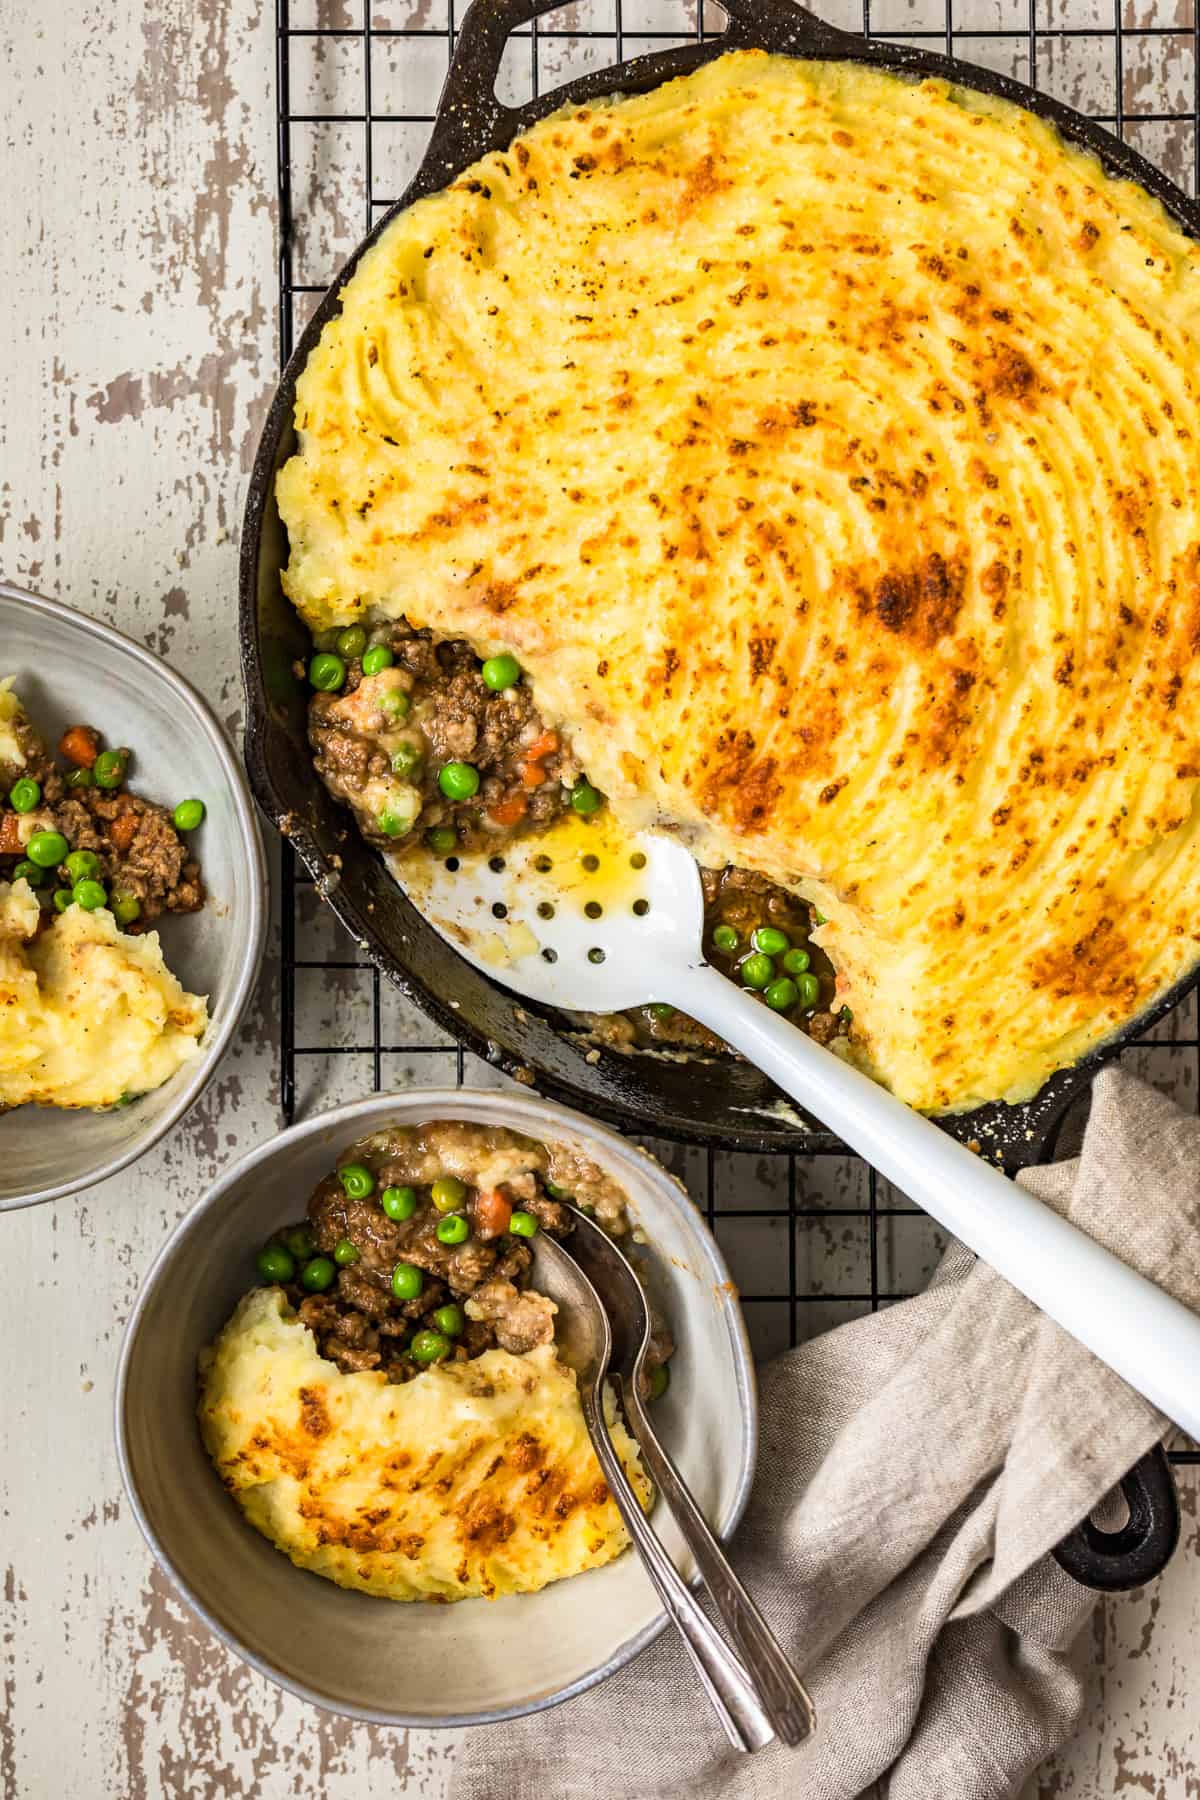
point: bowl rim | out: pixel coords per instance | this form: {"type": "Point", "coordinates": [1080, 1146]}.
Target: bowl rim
{"type": "Point", "coordinates": [537, 1115]}
{"type": "Point", "coordinates": [249, 962]}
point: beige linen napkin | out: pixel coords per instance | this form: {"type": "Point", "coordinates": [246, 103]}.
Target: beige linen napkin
{"type": "Point", "coordinates": [915, 1468]}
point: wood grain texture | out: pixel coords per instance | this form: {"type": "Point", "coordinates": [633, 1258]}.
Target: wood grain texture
{"type": "Point", "coordinates": [138, 213]}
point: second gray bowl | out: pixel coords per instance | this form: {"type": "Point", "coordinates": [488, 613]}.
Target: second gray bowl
{"type": "Point", "coordinates": [71, 669]}
{"type": "Point", "coordinates": [415, 1664]}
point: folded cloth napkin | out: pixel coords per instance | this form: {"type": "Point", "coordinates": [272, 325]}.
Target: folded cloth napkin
{"type": "Point", "coordinates": [914, 1470]}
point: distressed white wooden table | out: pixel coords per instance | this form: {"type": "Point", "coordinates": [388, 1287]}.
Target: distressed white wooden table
{"type": "Point", "coordinates": [137, 218]}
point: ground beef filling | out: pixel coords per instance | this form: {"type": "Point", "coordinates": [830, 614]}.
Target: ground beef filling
{"type": "Point", "coordinates": [139, 852]}
{"type": "Point", "coordinates": [361, 1322]}
{"type": "Point", "coordinates": [382, 741]}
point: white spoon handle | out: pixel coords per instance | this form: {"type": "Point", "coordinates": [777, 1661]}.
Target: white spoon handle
{"type": "Point", "coordinates": [1146, 1336]}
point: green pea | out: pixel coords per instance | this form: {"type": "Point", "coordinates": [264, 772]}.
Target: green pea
{"type": "Point", "coordinates": [125, 908]}
{"type": "Point", "coordinates": [450, 1321]}
{"type": "Point", "coordinates": [81, 865]}
{"type": "Point", "coordinates": [395, 703]}
{"type": "Point", "coordinates": [660, 1010]}
{"type": "Point", "coordinates": [399, 1203]}
{"type": "Point", "coordinates": [585, 799]}
{"type": "Point", "coordinates": [91, 895]}
{"type": "Point", "coordinates": [81, 778]}
{"type": "Point", "coordinates": [28, 871]}
{"type": "Point", "coordinates": [796, 962]}
{"type": "Point", "coordinates": [726, 938]}
{"type": "Point", "coordinates": [345, 1252]}
{"type": "Point", "coordinates": [443, 839]}
{"type": "Point", "coordinates": [25, 794]}
{"type": "Point", "coordinates": [408, 1282]}
{"type": "Point", "coordinates": [189, 815]}
{"type": "Point", "coordinates": [376, 659]}
{"type": "Point", "coordinates": [458, 780]}
{"type": "Point", "coordinates": [318, 1274]}
{"type": "Point", "coordinates": [447, 1192]}
{"type": "Point", "coordinates": [453, 1229]}
{"type": "Point", "coordinates": [110, 767]}
{"type": "Point", "coordinates": [500, 672]}
{"type": "Point", "coordinates": [555, 1192]}
{"type": "Point", "coordinates": [47, 849]}
{"type": "Point", "coordinates": [62, 899]}
{"type": "Point", "coordinates": [523, 1224]}
{"type": "Point", "coordinates": [781, 995]}
{"type": "Point", "coordinates": [406, 758]}
{"type": "Point", "coordinates": [770, 940]}
{"type": "Point", "coordinates": [274, 1264]}
{"type": "Point", "coordinates": [326, 673]}
{"type": "Point", "coordinates": [660, 1381]}
{"type": "Point", "coordinates": [429, 1346]}
{"type": "Point", "coordinates": [756, 971]}
{"type": "Point", "coordinates": [394, 824]}
{"type": "Point", "coordinates": [846, 1016]}
{"type": "Point", "coordinates": [351, 642]}
{"type": "Point", "coordinates": [357, 1180]}
{"type": "Point", "coordinates": [819, 918]}
{"type": "Point", "coordinates": [809, 989]}
{"type": "Point", "coordinates": [299, 1242]}
{"type": "Point", "coordinates": [127, 1099]}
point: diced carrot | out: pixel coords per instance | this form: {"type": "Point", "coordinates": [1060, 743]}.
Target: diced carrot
{"type": "Point", "coordinates": [492, 1212]}
{"type": "Point", "coordinates": [80, 745]}
{"type": "Point", "coordinates": [542, 746]}
{"type": "Point", "coordinates": [10, 834]}
{"type": "Point", "coordinates": [123, 830]}
{"type": "Point", "coordinates": [510, 811]}
{"type": "Point", "coordinates": [532, 774]}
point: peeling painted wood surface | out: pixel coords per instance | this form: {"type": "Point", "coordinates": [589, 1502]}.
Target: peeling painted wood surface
{"type": "Point", "coordinates": [138, 215]}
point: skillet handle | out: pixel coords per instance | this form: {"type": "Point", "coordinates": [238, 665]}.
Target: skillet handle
{"type": "Point", "coordinates": [1112, 1561]}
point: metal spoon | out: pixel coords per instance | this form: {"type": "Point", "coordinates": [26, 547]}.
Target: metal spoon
{"type": "Point", "coordinates": [587, 930]}
{"type": "Point", "coordinates": [616, 1282]}
{"type": "Point", "coordinates": [585, 1344]}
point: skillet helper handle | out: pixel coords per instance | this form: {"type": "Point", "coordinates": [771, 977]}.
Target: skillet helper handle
{"type": "Point", "coordinates": [778, 25]}
{"type": "Point", "coordinates": [1149, 1338]}
{"type": "Point", "coordinates": [726, 1683]}
{"type": "Point", "coordinates": [470, 119]}
{"type": "Point", "coordinates": [783, 1694]}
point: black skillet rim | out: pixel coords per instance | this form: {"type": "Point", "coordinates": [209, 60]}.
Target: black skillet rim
{"type": "Point", "coordinates": [352, 880]}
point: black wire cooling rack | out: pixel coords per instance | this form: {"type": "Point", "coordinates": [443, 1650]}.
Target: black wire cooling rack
{"type": "Point", "coordinates": [813, 1238]}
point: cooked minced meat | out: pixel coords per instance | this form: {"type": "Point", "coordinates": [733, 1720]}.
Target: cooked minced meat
{"type": "Point", "coordinates": [384, 743]}
{"type": "Point", "coordinates": [141, 859]}
{"type": "Point", "coordinates": [416, 1248]}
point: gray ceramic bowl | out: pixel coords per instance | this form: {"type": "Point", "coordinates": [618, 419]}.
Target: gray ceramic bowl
{"type": "Point", "coordinates": [70, 668]}
{"type": "Point", "coordinates": [415, 1664]}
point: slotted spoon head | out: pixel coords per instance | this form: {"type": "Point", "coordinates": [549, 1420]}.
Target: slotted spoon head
{"type": "Point", "coordinates": [585, 917]}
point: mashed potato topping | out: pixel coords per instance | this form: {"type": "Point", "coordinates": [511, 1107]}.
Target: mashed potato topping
{"type": "Point", "coordinates": [88, 1014]}
{"type": "Point", "coordinates": [825, 446]}
{"type": "Point", "coordinates": [476, 1479]}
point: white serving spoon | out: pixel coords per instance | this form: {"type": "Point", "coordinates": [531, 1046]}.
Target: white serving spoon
{"type": "Point", "coordinates": [590, 921]}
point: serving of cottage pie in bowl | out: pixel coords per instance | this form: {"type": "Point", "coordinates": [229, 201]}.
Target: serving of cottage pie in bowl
{"type": "Point", "coordinates": [801, 459]}
{"type": "Point", "coordinates": [340, 1390]}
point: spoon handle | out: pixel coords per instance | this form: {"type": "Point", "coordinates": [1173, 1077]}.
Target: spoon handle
{"type": "Point", "coordinates": [725, 1681]}
{"type": "Point", "coordinates": [780, 1689]}
{"type": "Point", "coordinates": [1143, 1333]}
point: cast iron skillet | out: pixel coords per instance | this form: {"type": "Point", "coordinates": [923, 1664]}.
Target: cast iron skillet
{"type": "Point", "coordinates": [721, 1103]}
